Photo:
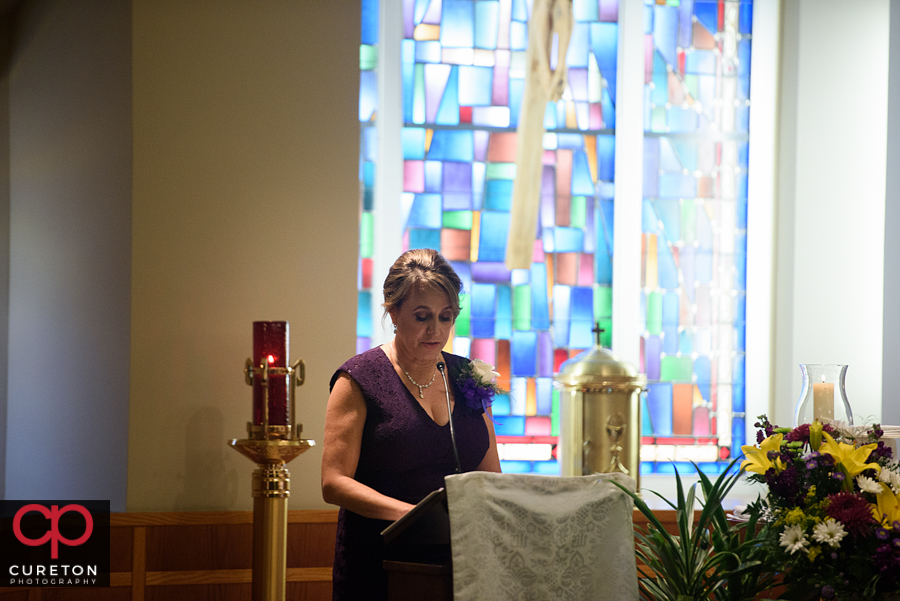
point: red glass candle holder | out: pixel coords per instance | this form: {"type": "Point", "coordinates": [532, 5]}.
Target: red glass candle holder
{"type": "Point", "coordinates": [270, 346]}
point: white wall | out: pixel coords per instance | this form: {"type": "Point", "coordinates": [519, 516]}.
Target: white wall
{"type": "Point", "coordinates": [829, 287]}
{"type": "Point", "coordinates": [891, 355]}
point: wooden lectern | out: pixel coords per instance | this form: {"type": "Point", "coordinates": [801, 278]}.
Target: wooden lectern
{"type": "Point", "coordinates": [417, 552]}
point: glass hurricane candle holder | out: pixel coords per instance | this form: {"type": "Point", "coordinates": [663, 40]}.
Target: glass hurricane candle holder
{"type": "Point", "coordinates": [824, 396]}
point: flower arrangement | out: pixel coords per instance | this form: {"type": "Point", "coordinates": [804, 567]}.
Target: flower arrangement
{"type": "Point", "coordinates": [476, 382]}
{"type": "Point", "coordinates": [833, 508]}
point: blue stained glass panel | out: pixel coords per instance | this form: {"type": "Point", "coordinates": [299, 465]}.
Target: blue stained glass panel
{"type": "Point", "coordinates": [685, 26]}
{"type": "Point", "coordinates": [516, 467]}
{"type": "Point", "coordinates": [420, 238]}
{"type": "Point", "coordinates": [745, 21]}
{"type": "Point", "coordinates": [498, 194]}
{"type": "Point", "coordinates": [448, 113]}
{"type": "Point", "coordinates": [475, 85]}
{"type": "Point", "coordinates": [518, 36]}
{"type": "Point", "coordinates": [465, 275]}
{"type": "Point", "coordinates": [670, 307]}
{"type": "Point", "coordinates": [740, 261]}
{"type": "Point", "coordinates": [519, 10]}
{"type": "Point", "coordinates": [670, 340]}
{"type": "Point", "coordinates": [516, 89]}
{"type": "Point", "coordinates": [738, 435]}
{"type": "Point", "coordinates": [581, 175]}
{"type": "Point", "coordinates": [568, 239]}
{"type": "Point", "coordinates": [493, 272]}
{"type": "Point", "coordinates": [606, 157]}
{"type": "Point", "coordinates": [544, 395]}
{"type": "Point", "coordinates": [503, 324]}
{"type": "Point", "coordinates": [687, 153]}
{"type": "Point", "coordinates": [677, 185]}
{"type": "Point", "coordinates": [540, 310]}
{"type": "Point", "coordinates": [510, 425]}
{"type": "Point", "coordinates": [651, 167]}
{"type": "Point", "coordinates": [659, 405]}
{"type": "Point", "coordinates": [546, 468]}
{"type": "Point", "coordinates": [494, 231]}
{"type": "Point", "coordinates": [585, 10]}
{"type": "Point", "coordinates": [500, 405]}
{"type": "Point", "coordinates": [609, 111]}
{"type": "Point", "coordinates": [681, 120]}
{"type": "Point", "coordinates": [659, 95]}
{"type": "Point", "coordinates": [667, 269]}
{"type": "Point", "coordinates": [368, 95]}
{"type": "Point", "coordinates": [426, 211]}
{"type": "Point", "coordinates": [483, 303]}
{"type": "Point", "coordinates": [744, 56]}
{"type": "Point", "coordinates": [708, 15]}
{"type": "Point", "coordinates": [452, 145]}
{"type": "Point", "coordinates": [703, 372]}
{"type": "Point", "coordinates": [434, 176]}
{"type": "Point", "coordinates": [487, 22]}
{"type": "Point", "coordinates": [604, 44]}
{"type": "Point", "coordinates": [457, 24]}
{"type": "Point", "coordinates": [665, 32]}
{"type": "Point", "coordinates": [364, 314]}
{"type": "Point", "coordinates": [579, 44]}
{"type": "Point", "coordinates": [561, 296]}
{"type": "Point", "coordinates": [413, 143]}
{"type": "Point", "coordinates": [523, 353]}
{"type": "Point", "coordinates": [428, 51]}
{"type": "Point", "coordinates": [686, 343]}
{"type": "Point", "coordinates": [518, 394]}
{"type": "Point", "coordinates": [369, 33]}
{"type": "Point", "coordinates": [582, 323]}
{"type": "Point", "coordinates": [370, 143]}
{"type": "Point", "coordinates": [701, 62]}
{"type": "Point", "coordinates": [669, 212]}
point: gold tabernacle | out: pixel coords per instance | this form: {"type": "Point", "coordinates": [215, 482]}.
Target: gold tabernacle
{"type": "Point", "coordinates": [600, 414]}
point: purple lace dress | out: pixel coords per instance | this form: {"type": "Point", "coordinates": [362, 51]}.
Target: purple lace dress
{"type": "Point", "coordinates": [404, 455]}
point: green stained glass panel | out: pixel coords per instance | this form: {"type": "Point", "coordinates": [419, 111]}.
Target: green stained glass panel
{"type": "Point", "coordinates": [522, 308]}
{"type": "Point", "coordinates": [676, 369]}
{"type": "Point", "coordinates": [458, 220]}
{"type": "Point", "coordinates": [366, 235]}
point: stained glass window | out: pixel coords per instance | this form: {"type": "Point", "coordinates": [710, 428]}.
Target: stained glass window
{"type": "Point", "coordinates": [462, 68]}
{"type": "Point", "coordinates": [694, 230]}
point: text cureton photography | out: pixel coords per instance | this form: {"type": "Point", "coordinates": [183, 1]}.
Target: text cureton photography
{"type": "Point", "coordinates": [54, 543]}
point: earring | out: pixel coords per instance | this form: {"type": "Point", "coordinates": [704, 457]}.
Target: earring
{"type": "Point", "coordinates": [395, 328]}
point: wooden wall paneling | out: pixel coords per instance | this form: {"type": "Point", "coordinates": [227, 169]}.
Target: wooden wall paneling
{"type": "Point", "coordinates": [139, 563]}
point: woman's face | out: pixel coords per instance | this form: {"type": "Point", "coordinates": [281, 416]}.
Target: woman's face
{"type": "Point", "coordinates": [423, 321]}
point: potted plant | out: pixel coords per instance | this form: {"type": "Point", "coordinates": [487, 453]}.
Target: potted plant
{"type": "Point", "coordinates": [710, 558]}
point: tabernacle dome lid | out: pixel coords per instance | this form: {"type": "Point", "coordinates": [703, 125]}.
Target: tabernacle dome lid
{"type": "Point", "coordinates": [597, 367]}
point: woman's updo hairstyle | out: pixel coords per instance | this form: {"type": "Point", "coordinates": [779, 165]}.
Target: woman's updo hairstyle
{"type": "Point", "coordinates": [424, 267]}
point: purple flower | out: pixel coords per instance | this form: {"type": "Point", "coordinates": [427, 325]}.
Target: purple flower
{"type": "Point", "coordinates": [828, 592]}
{"type": "Point", "coordinates": [882, 534]}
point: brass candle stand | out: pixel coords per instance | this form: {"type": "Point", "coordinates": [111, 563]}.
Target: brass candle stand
{"type": "Point", "coordinates": [271, 447]}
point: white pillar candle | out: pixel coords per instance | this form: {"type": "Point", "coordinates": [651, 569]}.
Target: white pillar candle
{"type": "Point", "coordinates": [823, 401]}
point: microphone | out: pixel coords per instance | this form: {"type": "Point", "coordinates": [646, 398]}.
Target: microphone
{"type": "Point", "coordinates": [440, 367]}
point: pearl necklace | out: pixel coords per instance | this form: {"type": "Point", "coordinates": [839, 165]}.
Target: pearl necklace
{"type": "Point", "coordinates": [421, 386]}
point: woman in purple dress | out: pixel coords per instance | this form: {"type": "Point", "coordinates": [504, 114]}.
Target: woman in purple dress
{"type": "Point", "coordinates": [387, 427]}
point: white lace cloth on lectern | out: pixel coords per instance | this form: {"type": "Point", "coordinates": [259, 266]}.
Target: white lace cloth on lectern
{"type": "Point", "coordinates": [541, 538]}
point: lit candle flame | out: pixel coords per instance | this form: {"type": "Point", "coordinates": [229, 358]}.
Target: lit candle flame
{"type": "Point", "coordinates": [271, 359]}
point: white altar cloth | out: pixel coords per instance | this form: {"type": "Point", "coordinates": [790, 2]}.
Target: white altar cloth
{"type": "Point", "coordinates": [528, 537]}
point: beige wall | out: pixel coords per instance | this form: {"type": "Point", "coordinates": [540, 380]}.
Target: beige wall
{"type": "Point", "coordinates": [245, 207]}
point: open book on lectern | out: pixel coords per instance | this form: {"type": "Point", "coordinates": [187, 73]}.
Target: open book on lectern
{"type": "Point", "coordinates": [428, 523]}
